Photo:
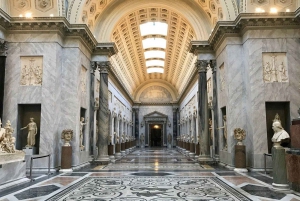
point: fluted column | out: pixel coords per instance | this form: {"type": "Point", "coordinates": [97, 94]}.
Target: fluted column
{"type": "Point", "coordinates": [103, 116]}
{"type": "Point", "coordinates": [213, 65]}
{"type": "Point", "coordinates": [93, 109]}
{"type": "Point", "coordinates": [203, 111]}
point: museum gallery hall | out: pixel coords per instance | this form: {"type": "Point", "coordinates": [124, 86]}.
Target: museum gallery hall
{"type": "Point", "coordinates": [149, 100]}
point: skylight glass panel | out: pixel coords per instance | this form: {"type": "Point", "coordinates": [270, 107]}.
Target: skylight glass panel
{"type": "Point", "coordinates": [155, 54]}
{"type": "Point", "coordinates": [151, 28]}
{"type": "Point", "coordinates": [155, 63]}
{"type": "Point", "coordinates": [154, 42]}
{"type": "Point", "coordinates": [155, 70]}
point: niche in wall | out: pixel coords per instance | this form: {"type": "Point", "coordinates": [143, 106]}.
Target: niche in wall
{"type": "Point", "coordinates": [2, 79]}
{"type": "Point", "coordinates": [25, 112]}
{"type": "Point", "coordinates": [223, 112]}
{"type": "Point", "coordinates": [283, 110]}
{"type": "Point", "coordinates": [82, 114]}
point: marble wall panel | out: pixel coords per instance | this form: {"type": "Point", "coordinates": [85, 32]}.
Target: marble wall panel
{"type": "Point", "coordinates": [12, 171]}
{"type": "Point", "coordinates": [35, 38]}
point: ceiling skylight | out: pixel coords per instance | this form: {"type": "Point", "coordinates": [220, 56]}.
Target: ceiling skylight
{"type": "Point", "coordinates": [155, 63]}
{"type": "Point", "coordinates": [153, 28]}
{"type": "Point", "coordinates": [154, 42]}
{"type": "Point", "coordinates": [155, 70]}
{"type": "Point", "coordinates": [155, 54]}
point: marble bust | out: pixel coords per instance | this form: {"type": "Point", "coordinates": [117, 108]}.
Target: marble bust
{"type": "Point", "coordinates": [279, 133]}
{"type": "Point", "coordinates": [239, 135]}
{"type": "Point", "coordinates": [67, 135]}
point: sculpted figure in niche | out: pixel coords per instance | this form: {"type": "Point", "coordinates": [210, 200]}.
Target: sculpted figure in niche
{"type": "Point", "coordinates": [225, 131]}
{"type": "Point", "coordinates": [169, 138]}
{"type": "Point", "coordinates": [123, 138]}
{"type": "Point", "coordinates": [81, 132]}
{"type": "Point", "coordinates": [111, 138]}
{"type": "Point", "coordinates": [239, 135]}
{"type": "Point", "coordinates": [279, 133]}
{"type": "Point", "coordinates": [142, 139]}
{"type": "Point", "coordinates": [117, 138]}
{"type": "Point", "coordinates": [192, 139]}
{"type": "Point", "coordinates": [198, 138]}
{"type": "Point", "coordinates": [32, 131]}
{"type": "Point", "coordinates": [67, 135]}
{"type": "Point", "coordinates": [210, 128]}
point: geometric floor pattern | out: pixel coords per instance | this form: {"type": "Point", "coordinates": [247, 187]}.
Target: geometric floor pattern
{"type": "Point", "coordinates": [147, 188]}
{"type": "Point", "coordinates": [156, 174]}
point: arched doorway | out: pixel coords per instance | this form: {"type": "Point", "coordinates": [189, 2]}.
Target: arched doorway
{"type": "Point", "coordinates": [156, 135]}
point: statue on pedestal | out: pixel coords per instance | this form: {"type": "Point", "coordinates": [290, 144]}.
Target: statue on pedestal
{"type": "Point", "coordinates": [67, 135]}
{"type": "Point", "coordinates": [239, 135]}
{"type": "Point", "coordinates": [117, 138]}
{"type": "Point", "coordinates": [279, 133]}
{"type": "Point", "coordinates": [225, 131]}
{"type": "Point", "coordinates": [123, 138]}
{"type": "Point", "coordinates": [81, 133]}
{"type": "Point", "coordinates": [32, 131]}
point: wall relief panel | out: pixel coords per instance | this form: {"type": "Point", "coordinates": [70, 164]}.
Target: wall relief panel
{"type": "Point", "coordinates": [31, 71]}
{"type": "Point", "coordinates": [22, 5]}
{"type": "Point", "coordinates": [275, 67]}
{"type": "Point", "coordinates": [43, 5]}
{"type": "Point", "coordinates": [156, 94]}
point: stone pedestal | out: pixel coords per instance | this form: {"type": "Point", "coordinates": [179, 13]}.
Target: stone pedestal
{"type": "Point", "coordinates": [12, 171]}
{"type": "Point", "coordinates": [293, 168]}
{"type": "Point", "coordinates": [240, 158]}
{"type": "Point", "coordinates": [110, 150]}
{"type": "Point", "coordinates": [118, 151]}
{"type": "Point", "coordinates": [66, 158]}
{"type": "Point", "coordinates": [29, 150]}
{"type": "Point", "coordinates": [197, 149]}
{"type": "Point", "coordinates": [169, 146]}
{"type": "Point", "coordinates": [123, 149]}
{"type": "Point", "coordinates": [280, 182]}
{"type": "Point", "coordinates": [295, 134]}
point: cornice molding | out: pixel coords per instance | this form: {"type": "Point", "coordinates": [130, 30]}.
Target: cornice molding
{"type": "Point", "coordinates": [243, 23]}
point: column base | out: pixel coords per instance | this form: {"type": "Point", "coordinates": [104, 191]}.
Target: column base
{"type": "Point", "coordinates": [66, 170]}
{"type": "Point", "coordinates": [126, 151]}
{"type": "Point", "coordinates": [192, 155]}
{"type": "Point", "coordinates": [118, 155]}
{"type": "Point", "coordinates": [196, 157]}
{"type": "Point", "coordinates": [281, 187]}
{"type": "Point", "coordinates": [205, 160]}
{"type": "Point", "coordinates": [123, 153]}
{"type": "Point", "coordinates": [240, 170]}
{"type": "Point", "coordinates": [102, 160]}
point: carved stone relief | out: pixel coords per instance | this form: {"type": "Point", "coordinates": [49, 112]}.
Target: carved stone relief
{"type": "Point", "coordinates": [109, 96]}
{"type": "Point", "coordinates": [283, 3]}
{"type": "Point", "coordinates": [97, 86]}
{"type": "Point", "coordinates": [222, 78]}
{"type": "Point", "coordinates": [275, 67]}
{"type": "Point", "coordinates": [22, 5]}
{"type": "Point", "coordinates": [43, 5]}
{"type": "Point", "coordinates": [83, 79]}
{"type": "Point", "coordinates": [31, 71]}
{"type": "Point", "coordinates": [155, 94]}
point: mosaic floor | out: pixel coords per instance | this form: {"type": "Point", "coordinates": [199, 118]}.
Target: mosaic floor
{"type": "Point", "coordinates": [149, 174]}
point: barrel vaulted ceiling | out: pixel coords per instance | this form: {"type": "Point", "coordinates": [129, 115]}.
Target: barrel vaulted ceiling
{"type": "Point", "coordinates": [119, 21]}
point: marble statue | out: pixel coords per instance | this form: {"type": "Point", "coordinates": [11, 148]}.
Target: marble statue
{"type": "Point", "coordinates": [225, 131]}
{"type": "Point", "coordinates": [111, 139]}
{"type": "Point", "coordinates": [7, 142]}
{"type": "Point", "coordinates": [81, 132]}
{"type": "Point", "coordinates": [67, 135]}
{"type": "Point", "coordinates": [170, 138]}
{"type": "Point", "coordinates": [210, 128]}
{"type": "Point", "coordinates": [123, 138]}
{"type": "Point", "coordinates": [126, 138]}
{"type": "Point", "coordinates": [198, 136]}
{"type": "Point", "coordinates": [32, 131]}
{"type": "Point", "coordinates": [116, 137]}
{"type": "Point", "coordinates": [239, 135]}
{"type": "Point", "coordinates": [279, 133]}
{"type": "Point", "coordinates": [192, 139]}
{"type": "Point", "coordinates": [142, 139]}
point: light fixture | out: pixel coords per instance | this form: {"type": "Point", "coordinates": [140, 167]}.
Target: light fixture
{"type": "Point", "coordinates": [156, 126]}
{"type": "Point", "coordinates": [273, 10]}
{"type": "Point", "coordinates": [287, 10]}
{"type": "Point", "coordinates": [51, 15]}
{"type": "Point", "coordinates": [28, 15]}
{"type": "Point", "coordinates": [20, 15]}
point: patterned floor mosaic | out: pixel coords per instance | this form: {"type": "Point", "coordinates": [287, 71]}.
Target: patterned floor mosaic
{"type": "Point", "coordinates": [147, 188]}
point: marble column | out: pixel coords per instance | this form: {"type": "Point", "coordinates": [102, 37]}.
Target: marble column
{"type": "Point", "coordinates": [175, 124]}
{"type": "Point", "coordinates": [3, 52]}
{"type": "Point", "coordinates": [93, 109]}
{"type": "Point", "coordinates": [118, 149]}
{"type": "Point", "coordinates": [213, 65]}
{"type": "Point", "coordinates": [136, 124]}
{"type": "Point", "coordinates": [103, 116]}
{"type": "Point", "coordinates": [203, 111]}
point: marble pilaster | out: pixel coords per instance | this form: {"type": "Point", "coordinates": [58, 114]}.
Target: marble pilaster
{"type": "Point", "coordinates": [203, 111]}
{"type": "Point", "coordinates": [213, 65]}
{"type": "Point", "coordinates": [175, 109]}
{"type": "Point", "coordinates": [103, 115]}
{"type": "Point", "coordinates": [92, 111]}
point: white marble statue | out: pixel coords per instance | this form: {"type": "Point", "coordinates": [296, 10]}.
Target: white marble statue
{"type": "Point", "coordinates": [198, 136]}
{"type": "Point", "coordinates": [117, 138]}
{"type": "Point", "coordinates": [279, 133]}
{"type": "Point", "coordinates": [225, 131]}
{"type": "Point", "coordinates": [81, 132]}
{"type": "Point", "coordinates": [210, 128]}
{"type": "Point", "coordinates": [192, 139]}
{"type": "Point", "coordinates": [170, 138]}
{"type": "Point", "coordinates": [67, 135]}
{"type": "Point", "coordinates": [7, 142]}
{"type": "Point", "coordinates": [32, 131]}
{"type": "Point", "coordinates": [123, 138]}
{"type": "Point", "coordinates": [142, 139]}
{"type": "Point", "coordinates": [239, 135]}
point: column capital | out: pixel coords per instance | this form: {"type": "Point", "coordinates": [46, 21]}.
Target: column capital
{"type": "Point", "coordinates": [3, 47]}
{"type": "Point", "coordinates": [103, 66]}
{"type": "Point", "coordinates": [201, 66]}
{"type": "Point", "coordinates": [213, 65]}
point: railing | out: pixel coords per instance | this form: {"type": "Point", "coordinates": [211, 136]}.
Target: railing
{"type": "Point", "coordinates": [31, 164]}
{"type": "Point", "coordinates": [265, 157]}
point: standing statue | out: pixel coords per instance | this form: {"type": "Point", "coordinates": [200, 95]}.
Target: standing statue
{"type": "Point", "coordinates": [117, 138]}
{"type": "Point", "coordinates": [8, 130]}
{"type": "Point", "coordinates": [67, 135]}
{"type": "Point", "coordinates": [279, 133]}
{"type": "Point", "coordinates": [170, 138]}
{"type": "Point", "coordinates": [210, 128]}
{"type": "Point", "coordinates": [111, 139]}
{"type": "Point", "coordinates": [81, 132]}
{"type": "Point", "coordinates": [192, 139]}
{"type": "Point", "coordinates": [123, 138]}
{"type": "Point", "coordinates": [198, 136]}
{"type": "Point", "coordinates": [32, 131]}
{"type": "Point", "coordinates": [225, 131]}
{"type": "Point", "coordinates": [142, 139]}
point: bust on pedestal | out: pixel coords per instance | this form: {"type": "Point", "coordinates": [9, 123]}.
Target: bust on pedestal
{"type": "Point", "coordinates": [66, 151]}
{"type": "Point", "coordinates": [240, 150]}
{"type": "Point", "coordinates": [280, 182]}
